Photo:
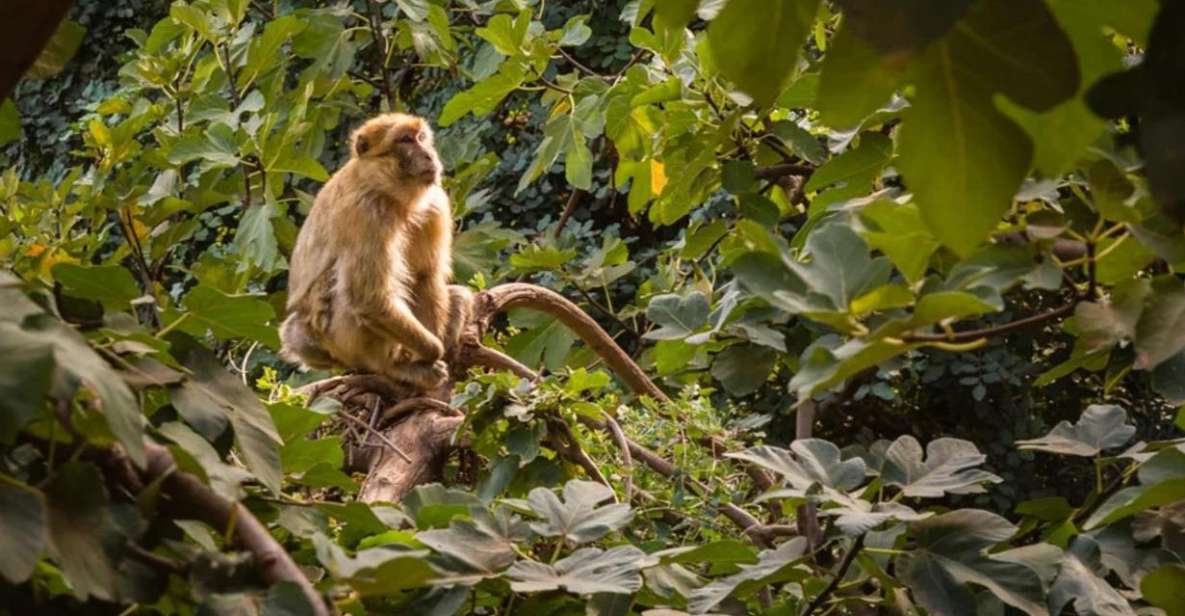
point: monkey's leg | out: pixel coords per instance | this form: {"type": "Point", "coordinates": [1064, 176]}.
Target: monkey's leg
{"type": "Point", "coordinates": [421, 374]}
{"type": "Point", "coordinates": [298, 347]}
{"type": "Point", "coordinates": [395, 321]}
{"type": "Point", "coordinates": [430, 303]}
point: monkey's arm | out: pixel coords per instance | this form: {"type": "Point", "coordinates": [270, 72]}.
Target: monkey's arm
{"type": "Point", "coordinates": [377, 309]}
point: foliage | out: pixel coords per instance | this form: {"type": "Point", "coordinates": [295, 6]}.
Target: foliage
{"type": "Point", "coordinates": [953, 228]}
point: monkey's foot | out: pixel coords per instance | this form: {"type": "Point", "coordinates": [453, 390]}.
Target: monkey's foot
{"type": "Point", "coordinates": [421, 374]}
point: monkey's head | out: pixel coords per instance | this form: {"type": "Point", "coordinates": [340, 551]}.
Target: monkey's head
{"type": "Point", "coordinates": [401, 144]}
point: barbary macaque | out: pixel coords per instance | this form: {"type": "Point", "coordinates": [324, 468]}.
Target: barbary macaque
{"type": "Point", "coordinates": [368, 286]}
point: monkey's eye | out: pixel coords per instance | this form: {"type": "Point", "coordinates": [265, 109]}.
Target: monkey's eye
{"type": "Point", "coordinates": [407, 138]}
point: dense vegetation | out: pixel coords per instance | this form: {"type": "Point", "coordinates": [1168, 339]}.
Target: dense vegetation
{"type": "Point", "coordinates": [896, 284]}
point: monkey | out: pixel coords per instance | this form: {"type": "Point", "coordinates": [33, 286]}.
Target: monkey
{"type": "Point", "coordinates": [368, 284]}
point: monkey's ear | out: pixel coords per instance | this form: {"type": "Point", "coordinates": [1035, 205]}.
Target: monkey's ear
{"type": "Point", "coordinates": [361, 144]}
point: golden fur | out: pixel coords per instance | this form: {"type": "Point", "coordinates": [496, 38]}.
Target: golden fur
{"type": "Point", "coordinates": [368, 284]}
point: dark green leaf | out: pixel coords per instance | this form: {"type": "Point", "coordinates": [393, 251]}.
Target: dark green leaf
{"type": "Point", "coordinates": [577, 518]}
{"type": "Point", "coordinates": [584, 572]}
{"type": "Point", "coordinates": [756, 43]}
{"type": "Point", "coordinates": [949, 467]}
{"type": "Point", "coordinates": [26, 371]}
{"type": "Point", "coordinates": [111, 285]}
{"type": "Point", "coordinates": [22, 529]}
{"type": "Point", "coordinates": [1101, 427]}
{"type": "Point", "coordinates": [951, 552]}
{"type": "Point", "coordinates": [1162, 588]}
{"type": "Point", "coordinates": [81, 530]}
{"type": "Point", "coordinates": [229, 316]}
{"type": "Point", "coordinates": [743, 368]}
{"type": "Point", "coordinates": [212, 397]}
{"type": "Point", "coordinates": [677, 317]}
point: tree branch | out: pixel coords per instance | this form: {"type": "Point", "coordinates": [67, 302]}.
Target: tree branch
{"type": "Point", "coordinates": [848, 559]}
{"type": "Point", "coordinates": [776, 171]}
{"type": "Point", "coordinates": [999, 330]}
{"type": "Point", "coordinates": [519, 295]}
{"type": "Point", "coordinates": [189, 498]}
{"type": "Point", "coordinates": [376, 28]}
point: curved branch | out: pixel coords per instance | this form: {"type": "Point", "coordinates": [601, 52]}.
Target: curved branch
{"type": "Point", "coordinates": [520, 295]}
{"type": "Point", "coordinates": [848, 559]}
{"type": "Point", "coordinates": [776, 171]}
{"type": "Point", "coordinates": [189, 498]}
{"type": "Point", "coordinates": [999, 330]}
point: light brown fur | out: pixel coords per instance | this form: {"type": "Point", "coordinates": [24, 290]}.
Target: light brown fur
{"type": "Point", "coordinates": [368, 285]}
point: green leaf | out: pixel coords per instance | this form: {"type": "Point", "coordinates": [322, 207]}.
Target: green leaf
{"type": "Point", "coordinates": [1104, 324]}
{"type": "Point", "coordinates": [23, 536]}
{"type": "Point", "coordinates": [416, 10]}
{"type": "Point", "coordinates": [755, 43]}
{"type": "Point", "coordinates": [375, 571]}
{"type": "Point", "coordinates": [10, 122]}
{"type": "Point", "coordinates": [861, 164]}
{"type": "Point", "coordinates": [1101, 427]}
{"type": "Point", "coordinates": [194, 18]}
{"type": "Point", "coordinates": [578, 163]}
{"type": "Point", "coordinates": [229, 316]}
{"type": "Point", "coordinates": [1162, 588]}
{"type": "Point", "coordinates": [80, 528]}
{"type": "Point", "coordinates": [578, 519]}
{"type": "Point", "coordinates": [773, 566]}
{"type": "Point", "coordinates": [947, 305]}
{"type": "Point", "coordinates": [481, 99]}
{"type": "Point", "coordinates": [264, 52]}
{"type": "Point", "coordinates": [255, 238]}
{"type": "Point", "coordinates": [840, 268]}
{"type": "Point", "coordinates": [1160, 333]}
{"type": "Point", "coordinates": [1077, 582]}
{"type": "Point", "coordinates": [58, 50]}
{"type": "Point", "coordinates": [856, 79]}
{"type": "Point", "coordinates": [743, 368]}
{"type": "Point", "coordinates": [26, 372]}
{"type": "Point", "coordinates": [302, 165]}
{"type": "Point", "coordinates": [117, 403]}
{"type": "Point", "coordinates": [949, 467]}
{"type": "Point", "coordinates": [576, 32]}
{"type": "Point", "coordinates": [212, 397]}
{"type": "Point", "coordinates": [808, 462]}
{"type": "Point", "coordinates": [433, 505]}
{"type": "Point", "coordinates": [951, 552]}
{"type": "Point", "coordinates": [897, 230]}
{"type": "Point", "coordinates": [1063, 134]}
{"type": "Point", "coordinates": [486, 543]}
{"type": "Point", "coordinates": [1168, 380]}
{"type": "Point", "coordinates": [584, 572]}
{"type": "Point", "coordinates": [225, 479]}
{"type": "Point", "coordinates": [217, 146]}
{"type": "Point", "coordinates": [546, 342]}
{"type": "Point", "coordinates": [111, 285]}
{"type": "Point", "coordinates": [962, 157]}
{"type": "Point", "coordinates": [677, 317]}
{"type": "Point", "coordinates": [300, 455]}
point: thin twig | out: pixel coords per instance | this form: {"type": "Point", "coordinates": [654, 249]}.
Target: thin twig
{"type": "Point", "coordinates": [848, 559]}
{"type": "Point", "coordinates": [574, 200]}
{"type": "Point", "coordinates": [574, 62]}
{"type": "Point", "coordinates": [626, 458]}
{"type": "Point", "coordinates": [777, 171]}
{"type": "Point", "coordinates": [376, 433]}
{"type": "Point", "coordinates": [998, 330]}
{"type": "Point", "coordinates": [376, 27]}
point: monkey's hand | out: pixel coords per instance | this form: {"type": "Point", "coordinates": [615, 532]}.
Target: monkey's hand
{"type": "Point", "coordinates": [428, 348]}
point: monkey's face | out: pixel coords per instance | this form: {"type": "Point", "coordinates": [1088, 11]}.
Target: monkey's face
{"type": "Point", "coordinates": [401, 143]}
